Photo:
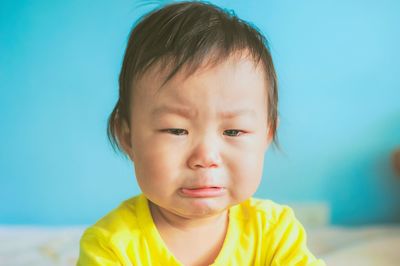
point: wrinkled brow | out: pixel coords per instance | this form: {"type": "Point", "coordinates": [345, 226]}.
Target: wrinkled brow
{"type": "Point", "coordinates": [191, 113]}
{"type": "Point", "coordinates": [235, 113]}
{"type": "Point", "coordinates": [181, 111]}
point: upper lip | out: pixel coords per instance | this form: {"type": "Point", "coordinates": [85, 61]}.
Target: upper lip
{"type": "Point", "coordinates": [203, 180]}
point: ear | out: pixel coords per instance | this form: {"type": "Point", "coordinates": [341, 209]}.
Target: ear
{"type": "Point", "coordinates": [124, 137]}
{"type": "Point", "coordinates": [268, 138]}
{"type": "Point", "coordinates": [270, 134]}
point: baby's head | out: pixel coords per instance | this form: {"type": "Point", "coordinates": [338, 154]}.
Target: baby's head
{"type": "Point", "coordinates": [197, 108]}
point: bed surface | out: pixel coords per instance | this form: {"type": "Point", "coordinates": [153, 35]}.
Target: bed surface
{"type": "Point", "coordinates": [366, 246]}
{"type": "Point", "coordinates": [370, 245]}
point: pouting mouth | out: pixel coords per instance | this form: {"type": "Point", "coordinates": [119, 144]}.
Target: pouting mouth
{"type": "Point", "coordinates": [203, 192]}
{"type": "Point", "coordinates": [203, 187]}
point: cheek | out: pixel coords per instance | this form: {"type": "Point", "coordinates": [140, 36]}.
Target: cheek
{"type": "Point", "coordinates": [246, 172]}
{"type": "Point", "coordinates": [155, 162]}
{"type": "Point", "coordinates": [155, 177]}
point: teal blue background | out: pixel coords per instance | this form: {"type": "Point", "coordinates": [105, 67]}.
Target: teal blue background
{"type": "Point", "coordinates": [338, 66]}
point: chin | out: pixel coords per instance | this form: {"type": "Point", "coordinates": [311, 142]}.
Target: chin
{"type": "Point", "coordinates": [204, 208]}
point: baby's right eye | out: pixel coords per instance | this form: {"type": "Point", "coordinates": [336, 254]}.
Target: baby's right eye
{"type": "Point", "coordinates": [176, 131]}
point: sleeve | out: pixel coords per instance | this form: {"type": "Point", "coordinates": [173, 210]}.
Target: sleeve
{"type": "Point", "coordinates": [94, 250]}
{"type": "Point", "coordinates": [290, 247]}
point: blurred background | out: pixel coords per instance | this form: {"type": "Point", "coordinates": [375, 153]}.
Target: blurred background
{"type": "Point", "coordinates": [338, 67]}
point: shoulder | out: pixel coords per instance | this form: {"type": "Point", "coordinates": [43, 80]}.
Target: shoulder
{"type": "Point", "coordinates": [121, 220]}
{"type": "Point", "coordinates": [101, 242]}
{"type": "Point", "coordinates": [284, 240]}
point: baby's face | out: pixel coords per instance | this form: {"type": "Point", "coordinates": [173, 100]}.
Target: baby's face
{"type": "Point", "coordinates": [198, 142]}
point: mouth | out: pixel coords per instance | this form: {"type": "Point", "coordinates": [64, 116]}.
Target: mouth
{"type": "Point", "coordinates": [203, 192]}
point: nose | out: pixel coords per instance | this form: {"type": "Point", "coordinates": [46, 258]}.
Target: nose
{"type": "Point", "coordinates": [205, 154]}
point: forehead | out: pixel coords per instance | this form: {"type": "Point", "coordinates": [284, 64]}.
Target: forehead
{"type": "Point", "coordinates": [231, 89]}
{"type": "Point", "coordinates": [161, 74]}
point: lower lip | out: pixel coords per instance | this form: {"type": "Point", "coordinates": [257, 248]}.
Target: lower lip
{"type": "Point", "coordinates": [203, 192]}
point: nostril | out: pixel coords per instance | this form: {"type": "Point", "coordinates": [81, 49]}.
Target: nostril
{"type": "Point", "coordinates": [204, 156]}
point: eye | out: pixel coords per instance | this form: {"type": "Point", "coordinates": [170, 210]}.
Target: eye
{"type": "Point", "coordinates": [176, 131]}
{"type": "Point", "coordinates": [233, 132]}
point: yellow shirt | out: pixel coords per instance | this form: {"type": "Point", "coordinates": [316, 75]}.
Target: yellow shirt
{"type": "Point", "coordinates": [260, 232]}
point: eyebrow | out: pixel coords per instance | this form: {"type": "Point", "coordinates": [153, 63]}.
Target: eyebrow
{"type": "Point", "coordinates": [190, 113]}
{"type": "Point", "coordinates": [182, 111]}
{"type": "Point", "coordinates": [236, 113]}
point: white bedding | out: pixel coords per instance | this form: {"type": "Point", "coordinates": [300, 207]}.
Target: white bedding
{"type": "Point", "coordinates": [374, 245]}
{"type": "Point", "coordinates": [356, 246]}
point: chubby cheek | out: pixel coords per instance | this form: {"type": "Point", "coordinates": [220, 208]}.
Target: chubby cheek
{"type": "Point", "coordinates": [246, 175]}
{"type": "Point", "coordinates": [156, 164]}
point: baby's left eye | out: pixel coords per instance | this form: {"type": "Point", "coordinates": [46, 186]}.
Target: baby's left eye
{"type": "Point", "coordinates": [233, 132]}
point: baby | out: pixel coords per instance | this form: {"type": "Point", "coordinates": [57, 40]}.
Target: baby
{"type": "Point", "coordinates": [197, 110]}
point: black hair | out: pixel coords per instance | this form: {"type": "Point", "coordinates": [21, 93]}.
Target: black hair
{"type": "Point", "coordinates": [185, 34]}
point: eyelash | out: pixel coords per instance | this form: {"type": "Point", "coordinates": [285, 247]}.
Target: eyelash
{"type": "Point", "coordinates": [180, 131]}
{"type": "Point", "coordinates": [174, 131]}
{"type": "Point", "coordinates": [239, 132]}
